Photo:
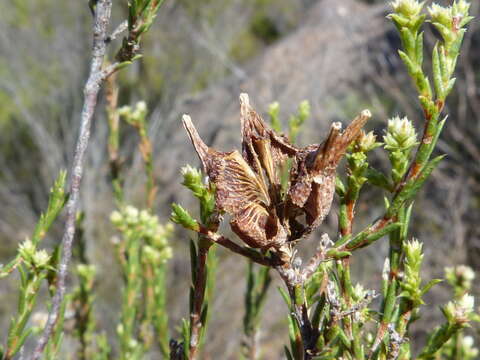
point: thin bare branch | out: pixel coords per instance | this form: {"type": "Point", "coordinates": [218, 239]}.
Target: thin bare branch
{"type": "Point", "coordinates": [317, 258]}
{"type": "Point", "coordinates": [249, 253]}
{"type": "Point", "coordinates": [92, 87]}
{"type": "Point", "coordinates": [120, 29]}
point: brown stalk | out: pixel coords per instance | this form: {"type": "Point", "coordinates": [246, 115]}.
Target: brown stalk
{"type": "Point", "coordinates": [199, 297]}
{"type": "Point", "coordinates": [247, 252]}
{"type": "Point", "coordinates": [113, 122]}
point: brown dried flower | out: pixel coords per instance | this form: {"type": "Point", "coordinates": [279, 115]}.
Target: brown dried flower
{"type": "Point", "coordinates": [248, 184]}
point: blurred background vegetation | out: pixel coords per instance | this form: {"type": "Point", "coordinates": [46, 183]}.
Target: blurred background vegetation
{"type": "Point", "coordinates": [340, 55]}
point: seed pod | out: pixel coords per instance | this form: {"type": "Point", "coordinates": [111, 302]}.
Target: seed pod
{"type": "Point", "coordinates": [312, 181]}
{"type": "Point", "coordinates": [242, 192]}
{"type": "Point", "coordinates": [247, 185]}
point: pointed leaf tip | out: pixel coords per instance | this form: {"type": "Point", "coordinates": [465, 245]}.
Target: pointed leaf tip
{"type": "Point", "coordinates": [366, 113]}
{"type": "Point", "coordinates": [186, 118]}
{"type": "Point", "coordinates": [244, 100]}
{"type": "Point", "coordinates": [200, 147]}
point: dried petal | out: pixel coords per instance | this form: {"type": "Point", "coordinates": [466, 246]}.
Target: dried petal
{"type": "Point", "coordinates": [259, 141]}
{"type": "Point", "coordinates": [241, 192]}
{"type": "Point", "coordinates": [313, 181]}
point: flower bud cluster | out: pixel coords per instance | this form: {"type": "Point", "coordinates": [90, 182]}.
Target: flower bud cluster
{"type": "Point", "coordinates": [366, 142]}
{"type": "Point", "coordinates": [460, 278]}
{"type": "Point", "coordinates": [459, 311]}
{"type": "Point", "coordinates": [401, 135]}
{"type": "Point", "coordinates": [33, 258]}
{"type": "Point", "coordinates": [296, 121]}
{"type": "Point", "coordinates": [449, 20]}
{"type": "Point", "coordinates": [136, 115]}
{"type": "Point", "coordinates": [86, 273]}
{"type": "Point", "coordinates": [407, 13]}
{"type": "Point", "coordinates": [141, 224]}
{"type": "Point", "coordinates": [202, 190]}
{"type": "Point", "coordinates": [357, 159]}
{"type": "Point", "coordinates": [411, 284]}
{"type": "Point", "coordinates": [192, 179]}
{"type": "Point", "coordinates": [450, 23]}
{"type": "Point", "coordinates": [399, 140]}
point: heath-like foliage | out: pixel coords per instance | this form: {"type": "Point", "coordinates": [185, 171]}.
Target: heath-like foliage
{"type": "Point", "coordinates": [275, 195]}
{"type": "Point", "coordinates": [271, 211]}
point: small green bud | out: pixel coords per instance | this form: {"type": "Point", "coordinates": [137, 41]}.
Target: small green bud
{"type": "Point", "coordinates": [134, 116]}
{"type": "Point", "coordinates": [366, 142]}
{"type": "Point", "coordinates": [125, 111]}
{"type": "Point", "coordinates": [401, 135]}
{"type": "Point", "coordinates": [441, 15]}
{"type": "Point", "coordinates": [142, 224]}
{"type": "Point", "coordinates": [413, 251]}
{"type": "Point", "coordinates": [370, 338]}
{"type": "Point", "coordinates": [460, 278]}
{"type": "Point", "coordinates": [411, 283]}
{"type": "Point", "coordinates": [407, 8]}
{"type": "Point", "coordinates": [41, 258]}
{"type": "Point", "coordinates": [460, 11]}
{"type": "Point", "coordinates": [459, 312]}
{"type": "Point", "coordinates": [131, 215]}
{"type": "Point", "coordinates": [32, 257]}
{"type": "Point", "coordinates": [190, 172]}
{"type": "Point", "coordinates": [202, 190]}
{"type": "Point", "coordinates": [141, 107]}
{"type": "Point", "coordinates": [120, 329]}
{"type": "Point", "coordinates": [27, 250]}
{"type": "Point", "coordinates": [139, 114]}
{"type": "Point", "coordinates": [167, 253]}
{"type": "Point", "coordinates": [182, 217]}
{"type": "Point", "coordinates": [86, 272]}
{"type": "Point", "coordinates": [39, 319]}
{"type": "Point", "coordinates": [116, 218]}
{"type": "Point", "coordinates": [273, 112]}
{"type": "Point", "coordinates": [296, 121]}
{"type": "Point", "coordinates": [192, 179]}
{"type": "Point", "coordinates": [304, 111]}
{"type": "Point", "coordinates": [151, 254]}
{"type": "Point", "coordinates": [359, 292]}
{"type": "Point", "coordinates": [449, 20]}
{"type": "Point", "coordinates": [144, 217]}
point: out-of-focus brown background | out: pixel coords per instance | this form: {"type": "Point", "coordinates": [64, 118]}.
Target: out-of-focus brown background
{"type": "Point", "coordinates": [338, 54]}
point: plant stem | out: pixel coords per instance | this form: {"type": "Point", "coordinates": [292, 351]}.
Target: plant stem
{"type": "Point", "coordinates": [131, 305]}
{"type": "Point", "coordinates": [113, 119]}
{"type": "Point", "coordinates": [199, 288]}
{"type": "Point", "coordinates": [258, 284]}
{"type": "Point", "coordinates": [249, 253]}
{"type": "Point", "coordinates": [31, 283]}
{"type": "Point", "coordinates": [92, 87]}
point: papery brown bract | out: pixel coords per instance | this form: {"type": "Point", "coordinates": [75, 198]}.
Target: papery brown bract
{"type": "Point", "coordinates": [248, 186]}
{"type": "Point", "coordinates": [313, 177]}
{"type": "Point", "coordinates": [241, 192]}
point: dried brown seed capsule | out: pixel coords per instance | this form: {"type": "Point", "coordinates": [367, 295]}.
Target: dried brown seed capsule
{"type": "Point", "coordinates": [241, 192]}
{"type": "Point", "coordinates": [313, 179]}
{"type": "Point", "coordinates": [248, 185]}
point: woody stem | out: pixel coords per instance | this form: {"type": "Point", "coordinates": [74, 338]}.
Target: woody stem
{"type": "Point", "coordinates": [249, 253]}
{"type": "Point", "coordinates": [198, 297]}
{"type": "Point", "coordinates": [294, 281]}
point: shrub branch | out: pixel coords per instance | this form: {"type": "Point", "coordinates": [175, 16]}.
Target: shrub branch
{"type": "Point", "coordinates": [92, 87]}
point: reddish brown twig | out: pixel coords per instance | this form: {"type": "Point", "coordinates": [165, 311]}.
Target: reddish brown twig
{"type": "Point", "coordinates": [198, 299]}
